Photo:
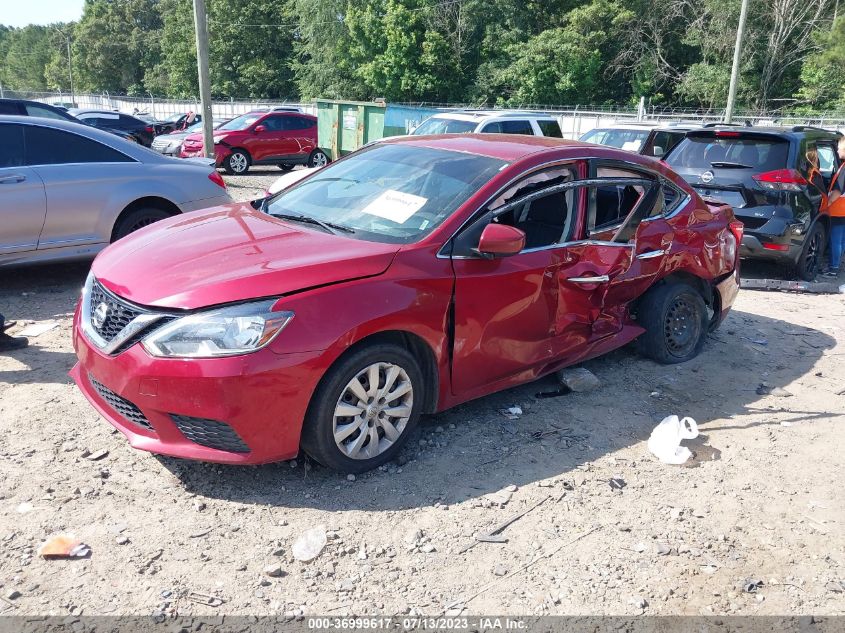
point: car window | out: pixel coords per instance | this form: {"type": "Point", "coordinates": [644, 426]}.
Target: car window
{"type": "Point", "coordinates": [130, 123]}
{"type": "Point", "coordinates": [508, 127]}
{"type": "Point", "coordinates": [242, 122]}
{"type": "Point", "coordinates": [47, 113]}
{"type": "Point", "coordinates": [389, 193]}
{"type": "Point", "coordinates": [827, 160]}
{"type": "Point", "coordinates": [9, 108]}
{"type": "Point", "coordinates": [444, 126]}
{"type": "Point", "coordinates": [709, 152]}
{"type": "Point", "coordinates": [546, 220]}
{"type": "Point", "coordinates": [11, 140]}
{"type": "Point", "coordinates": [300, 123]}
{"type": "Point", "coordinates": [46, 146]}
{"type": "Point", "coordinates": [610, 204]}
{"type": "Point", "coordinates": [550, 128]}
{"type": "Point", "coordinates": [631, 140]}
{"type": "Point", "coordinates": [277, 123]}
{"type": "Point", "coordinates": [661, 142]}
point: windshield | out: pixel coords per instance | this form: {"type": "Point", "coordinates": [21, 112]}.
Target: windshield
{"type": "Point", "coordinates": [631, 140]}
{"type": "Point", "coordinates": [173, 118]}
{"type": "Point", "coordinates": [242, 122]}
{"type": "Point", "coordinates": [444, 126]}
{"type": "Point", "coordinates": [707, 152]}
{"type": "Point", "coordinates": [389, 193]}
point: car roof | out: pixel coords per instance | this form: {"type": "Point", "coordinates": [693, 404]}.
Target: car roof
{"type": "Point", "coordinates": [791, 132]}
{"type": "Point", "coordinates": [506, 147]}
{"type": "Point", "coordinates": [478, 115]}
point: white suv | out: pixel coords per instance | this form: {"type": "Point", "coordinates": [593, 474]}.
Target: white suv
{"type": "Point", "coordinates": [490, 122]}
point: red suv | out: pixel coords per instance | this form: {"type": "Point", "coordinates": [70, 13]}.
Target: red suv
{"type": "Point", "coordinates": [411, 276]}
{"type": "Point", "coordinates": [285, 139]}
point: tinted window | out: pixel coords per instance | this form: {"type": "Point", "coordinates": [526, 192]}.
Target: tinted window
{"type": "Point", "coordinates": [827, 160]}
{"type": "Point", "coordinates": [550, 128]}
{"type": "Point", "coordinates": [33, 110]}
{"type": "Point", "coordinates": [661, 142]}
{"type": "Point", "coordinates": [709, 152]}
{"type": "Point", "coordinates": [508, 127]}
{"type": "Point", "coordinates": [9, 108]}
{"type": "Point", "coordinates": [300, 123]}
{"type": "Point", "coordinates": [130, 123]}
{"type": "Point", "coordinates": [45, 146]}
{"type": "Point", "coordinates": [11, 140]}
{"type": "Point", "coordinates": [278, 123]}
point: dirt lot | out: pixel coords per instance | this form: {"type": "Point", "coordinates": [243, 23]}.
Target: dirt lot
{"type": "Point", "coordinates": [762, 500]}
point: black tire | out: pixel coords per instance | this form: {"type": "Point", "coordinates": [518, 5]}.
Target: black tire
{"type": "Point", "coordinates": [137, 219]}
{"type": "Point", "coordinates": [318, 158]}
{"type": "Point", "coordinates": [286, 166]}
{"type": "Point", "coordinates": [318, 430]}
{"type": "Point", "coordinates": [675, 319]}
{"type": "Point", "coordinates": [810, 259]}
{"type": "Point", "coordinates": [237, 163]}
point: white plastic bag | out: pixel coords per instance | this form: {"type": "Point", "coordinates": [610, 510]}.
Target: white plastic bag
{"type": "Point", "coordinates": [665, 440]}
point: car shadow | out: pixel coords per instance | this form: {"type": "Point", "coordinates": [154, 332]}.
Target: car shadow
{"type": "Point", "coordinates": [40, 293]}
{"type": "Point", "coordinates": [473, 449]}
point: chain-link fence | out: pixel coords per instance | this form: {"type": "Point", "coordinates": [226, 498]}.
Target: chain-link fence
{"type": "Point", "coordinates": [574, 120]}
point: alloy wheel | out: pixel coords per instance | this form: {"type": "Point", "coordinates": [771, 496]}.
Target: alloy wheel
{"type": "Point", "coordinates": [319, 160]}
{"type": "Point", "coordinates": [373, 411]}
{"type": "Point", "coordinates": [811, 259]}
{"type": "Point", "coordinates": [238, 162]}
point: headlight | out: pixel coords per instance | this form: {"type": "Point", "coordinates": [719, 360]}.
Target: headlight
{"type": "Point", "coordinates": [231, 331]}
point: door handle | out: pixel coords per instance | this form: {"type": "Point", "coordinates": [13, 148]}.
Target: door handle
{"type": "Point", "coordinates": [590, 280]}
{"type": "Point", "coordinates": [5, 180]}
{"type": "Point", "coordinates": [651, 254]}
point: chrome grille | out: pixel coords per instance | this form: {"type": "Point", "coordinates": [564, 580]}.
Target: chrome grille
{"type": "Point", "coordinates": [118, 313]}
{"type": "Point", "coordinates": [125, 408]}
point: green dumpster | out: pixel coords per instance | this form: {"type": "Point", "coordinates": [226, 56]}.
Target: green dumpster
{"type": "Point", "coordinates": [344, 126]}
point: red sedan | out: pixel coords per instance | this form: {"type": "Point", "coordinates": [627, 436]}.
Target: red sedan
{"type": "Point", "coordinates": [413, 275]}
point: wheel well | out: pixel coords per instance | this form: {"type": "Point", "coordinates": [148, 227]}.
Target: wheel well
{"type": "Point", "coordinates": [240, 149]}
{"type": "Point", "coordinates": [422, 353]}
{"type": "Point", "coordinates": [150, 201]}
{"type": "Point", "coordinates": [824, 220]}
{"type": "Point", "coordinates": [704, 289]}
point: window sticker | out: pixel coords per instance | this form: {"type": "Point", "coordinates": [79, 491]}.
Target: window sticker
{"type": "Point", "coordinates": [395, 206]}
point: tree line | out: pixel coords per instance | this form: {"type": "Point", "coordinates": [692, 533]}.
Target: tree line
{"type": "Point", "coordinates": [481, 52]}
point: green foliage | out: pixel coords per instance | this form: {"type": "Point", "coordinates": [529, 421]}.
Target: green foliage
{"type": "Point", "coordinates": [506, 52]}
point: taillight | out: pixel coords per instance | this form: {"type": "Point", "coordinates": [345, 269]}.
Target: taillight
{"type": "Point", "coordinates": [781, 180]}
{"type": "Point", "coordinates": [150, 129]}
{"type": "Point", "coordinates": [738, 229]}
{"type": "Point", "coordinates": [776, 247]}
{"type": "Point", "coordinates": [723, 134]}
{"type": "Point", "coordinates": [217, 179]}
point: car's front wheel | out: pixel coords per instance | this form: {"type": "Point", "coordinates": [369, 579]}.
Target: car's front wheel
{"type": "Point", "coordinates": [675, 318]}
{"type": "Point", "coordinates": [318, 158]}
{"type": "Point", "coordinates": [364, 409]}
{"type": "Point", "coordinates": [237, 162]}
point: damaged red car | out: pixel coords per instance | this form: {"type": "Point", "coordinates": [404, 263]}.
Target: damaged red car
{"type": "Point", "coordinates": [411, 276]}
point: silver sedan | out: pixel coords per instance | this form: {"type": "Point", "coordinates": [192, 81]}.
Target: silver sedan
{"type": "Point", "coordinates": [67, 190]}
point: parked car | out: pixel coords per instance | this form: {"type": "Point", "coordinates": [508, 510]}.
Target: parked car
{"type": "Point", "coordinates": [141, 131]}
{"type": "Point", "coordinates": [178, 122]}
{"type": "Point", "coordinates": [68, 190]}
{"type": "Point", "coordinates": [490, 122]}
{"type": "Point", "coordinates": [406, 278]}
{"type": "Point", "coordinates": [285, 139]}
{"type": "Point", "coordinates": [171, 143]}
{"type": "Point", "coordinates": [23, 107]}
{"type": "Point", "coordinates": [763, 173]}
{"type": "Point", "coordinates": [647, 139]}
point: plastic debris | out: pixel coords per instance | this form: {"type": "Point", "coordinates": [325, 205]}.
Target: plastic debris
{"type": "Point", "coordinates": [665, 440]}
{"type": "Point", "coordinates": [310, 543]}
{"type": "Point", "coordinates": [512, 413]}
{"type": "Point", "coordinates": [37, 329]}
{"type": "Point", "coordinates": [63, 546]}
{"type": "Point", "coordinates": [578, 379]}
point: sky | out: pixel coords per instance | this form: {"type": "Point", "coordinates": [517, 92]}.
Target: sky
{"type": "Point", "coordinates": [22, 12]}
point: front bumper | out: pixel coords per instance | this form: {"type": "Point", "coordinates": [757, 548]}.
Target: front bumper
{"type": "Point", "coordinates": [221, 153]}
{"type": "Point", "coordinates": [262, 398]}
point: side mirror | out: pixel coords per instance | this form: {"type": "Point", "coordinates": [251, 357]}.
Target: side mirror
{"type": "Point", "coordinates": [658, 151]}
{"type": "Point", "coordinates": [500, 240]}
{"type": "Point", "coordinates": [259, 129]}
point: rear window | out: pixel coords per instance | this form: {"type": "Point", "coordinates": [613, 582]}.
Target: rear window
{"type": "Point", "coordinates": [631, 140]}
{"type": "Point", "coordinates": [708, 152]}
{"type": "Point", "coordinates": [444, 126]}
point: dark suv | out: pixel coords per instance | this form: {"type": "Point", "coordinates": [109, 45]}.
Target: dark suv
{"type": "Point", "coordinates": [764, 173]}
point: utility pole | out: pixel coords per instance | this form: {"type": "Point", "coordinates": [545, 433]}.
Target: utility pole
{"type": "Point", "coordinates": [740, 32]}
{"type": "Point", "coordinates": [70, 73]}
{"type": "Point", "coordinates": [201, 27]}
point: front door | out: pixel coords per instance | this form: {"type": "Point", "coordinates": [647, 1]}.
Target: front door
{"type": "Point", "coordinates": [23, 203]}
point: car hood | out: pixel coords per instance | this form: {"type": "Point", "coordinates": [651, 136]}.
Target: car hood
{"type": "Point", "coordinates": [231, 253]}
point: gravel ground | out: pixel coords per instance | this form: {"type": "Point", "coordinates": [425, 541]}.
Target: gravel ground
{"type": "Point", "coordinates": [761, 500]}
{"type": "Point", "coordinates": [254, 184]}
